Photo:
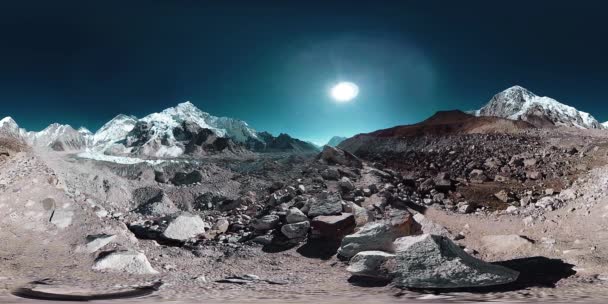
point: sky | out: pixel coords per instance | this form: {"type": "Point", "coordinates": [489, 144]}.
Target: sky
{"type": "Point", "coordinates": [272, 63]}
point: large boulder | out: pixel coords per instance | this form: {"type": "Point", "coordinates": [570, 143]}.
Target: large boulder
{"type": "Point", "coordinates": [432, 261]}
{"type": "Point", "coordinates": [265, 223]}
{"type": "Point", "coordinates": [336, 156]}
{"type": "Point", "coordinates": [129, 261]}
{"type": "Point", "coordinates": [160, 204]}
{"type": "Point", "coordinates": [377, 235]}
{"type": "Point", "coordinates": [371, 264]}
{"type": "Point", "coordinates": [295, 215]}
{"type": "Point", "coordinates": [332, 227]}
{"type": "Point", "coordinates": [183, 226]}
{"type": "Point", "coordinates": [326, 204]}
{"type": "Point", "coordinates": [296, 230]}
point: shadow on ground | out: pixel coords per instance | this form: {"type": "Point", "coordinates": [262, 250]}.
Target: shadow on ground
{"type": "Point", "coordinates": [319, 249]}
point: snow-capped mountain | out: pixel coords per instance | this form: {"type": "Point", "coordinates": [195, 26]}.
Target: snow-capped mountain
{"type": "Point", "coordinates": [605, 125]}
{"type": "Point", "coordinates": [183, 129]}
{"type": "Point", "coordinates": [59, 137]}
{"type": "Point", "coordinates": [8, 127]}
{"type": "Point", "coordinates": [114, 130]}
{"type": "Point", "coordinates": [518, 103]}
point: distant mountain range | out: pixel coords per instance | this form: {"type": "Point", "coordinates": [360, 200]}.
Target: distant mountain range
{"type": "Point", "coordinates": [183, 129]}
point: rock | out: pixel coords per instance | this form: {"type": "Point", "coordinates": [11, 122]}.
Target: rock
{"type": "Point", "coordinates": [96, 242]}
{"type": "Point", "coordinates": [505, 243]}
{"type": "Point", "coordinates": [422, 225]}
{"type": "Point", "coordinates": [183, 226]}
{"type": "Point", "coordinates": [336, 156]}
{"type": "Point", "coordinates": [530, 162]}
{"type": "Point", "coordinates": [181, 178]}
{"type": "Point", "coordinates": [431, 261]}
{"type": "Point", "coordinates": [221, 226]}
{"type": "Point", "coordinates": [327, 204]}
{"type": "Point", "coordinates": [332, 227]}
{"type": "Point", "coordinates": [295, 215]}
{"type": "Point", "coordinates": [376, 236]}
{"type": "Point", "coordinates": [129, 261]}
{"type": "Point", "coordinates": [545, 202]}
{"type": "Point", "coordinates": [62, 218]}
{"type": "Point", "coordinates": [511, 209]}
{"type": "Point", "coordinates": [330, 174]}
{"type": "Point", "coordinates": [265, 223]}
{"type": "Point", "coordinates": [443, 182]}
{"type": "Point", "coordinates": [503, 196]}
{"type": "Point", "coordinates": [263, 239]}
{"type": "Point", "coordinates": [478, 176]}
{"type": "Point", "coordinates": [362, 216]}
{"type": "Point", "coordinates": [372, 264]}
{"type": "Point", "coordinates": [346, 185]}
{"type": "Point", "coordinates": [296, 230]}
{"type": "Point", "coordinates": [465, 207]}
{"type": "Point", "coordinates": [533, 175]}
{"type": "Point", "coordinates": [158, 205]}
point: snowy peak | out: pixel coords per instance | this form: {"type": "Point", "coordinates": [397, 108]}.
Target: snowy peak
{"type": "Point", "coordinates": [9, 126]}
{"type": "Point", "coordinates": [518, 103]}
{"type": "Point", "coordinates": [114, 130]}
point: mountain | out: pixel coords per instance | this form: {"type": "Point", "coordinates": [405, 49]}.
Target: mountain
{"type": "Point", "coordinates": [115, 129]}
{"type": "Point", "coordinates": [334, 141]}
{"type": "Point", "coordinates": [59, 138]}
{"type": "Point", "coordinates": [442, 124]}
{"type": "Point", "coordinates": [283, 142]}
{"type": "Point", "coordinates": [605, 125]}
{"type": "Point", "coordinates": [8, 127]}
{"type": "Point", "coordinates": [518, 103]}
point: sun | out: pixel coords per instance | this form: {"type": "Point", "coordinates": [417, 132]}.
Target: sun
{"type": "Point", "coordinates": [344, 91]}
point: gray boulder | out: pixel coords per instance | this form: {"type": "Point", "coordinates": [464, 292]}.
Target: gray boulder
{"type": "Point", "coordinates": [183, 226]}
{"type": "Point", "coordinates": [266, 222]}
{"type": "Point", "coordinates": [372, 264]}
{"type": "Point", "coordinates": [295, 215]}
{"type": "Point", "coordinates": [129, 261]}
{"type": "Point", "coordinates": [432, 261]}
{"type": "Point", "coordinates": [96, 242]}
{"type": "Point", "coordinates": [376, 236]}
{"type": "Point", "coordinates": [327, 204]}
{"type": "Point", "coordinates": [296, 230]}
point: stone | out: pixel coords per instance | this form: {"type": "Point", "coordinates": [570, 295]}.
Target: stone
{"type": "Point", "coordinates": [545, 202]}
{"type": "Point", "coordinates": [431, 261]}
{"type": "Point", "coordinates": [362, 216]}
{"type": "Point", "coordinates": [159, 205]}
{"type": "Point", "coordinates": [336, 156]}
{"type": "Point", "coordinates": [478, 176]}
{"type": "Point", "coordinates": [422, 225]}
{"type": "Point", "coordinates": [346, 185]}
{"type": "Point", "coordinates": [332, 227]}
{"type": "Point", "coordinates": [183, 226]}
{"type": "Point", "coordinates": [295, 215]}
{"type": "Point", "coordinates": [327, 204]}
{"type": "Point", "coordinates": [502, 196]}
{"type": "Point", "coordinates": [129, 261]}
{"type": "Point", "coordinates": [265, 223]}
{"type": "Point", "coordinates": [96, 242]}
{"type": "Point", "coordinates": [181, 178]}
{"type": "Point", "coordinates": [221, 225]}
{"type": "Point", "coordinates": [511, 209]}
{"type": "Point", "coordinates": [296, 230]}
{"type": "Point", "coordinates": [371, 264]}
{"type": "Point", "coordinates": [533, 175]}
{"type": "Point", "coordinates": [443, 182]}
{"type": "Point", "coordinates": [376, 236]}
{"type": "Point", "coordinates": [465, 207]}
{"type": "Point", "coordinates": [330, 174]}
{"type": "Point", "coordinates": [505, 243]}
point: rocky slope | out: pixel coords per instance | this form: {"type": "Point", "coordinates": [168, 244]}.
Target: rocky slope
{"type": "Point", "coordinates": [518, 103]}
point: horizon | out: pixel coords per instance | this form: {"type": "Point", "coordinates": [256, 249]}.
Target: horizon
{"type": "Point", "coordinates": [276, 75]}
{"type": "Point", "coordinates": [316, 141]}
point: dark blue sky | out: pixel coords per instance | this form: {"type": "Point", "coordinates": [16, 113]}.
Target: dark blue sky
{"type": "Point", "coordinates": [270, 63]}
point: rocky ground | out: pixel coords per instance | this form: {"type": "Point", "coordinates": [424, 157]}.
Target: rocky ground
{"type": "Point", "coordinates": [305, 227]}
